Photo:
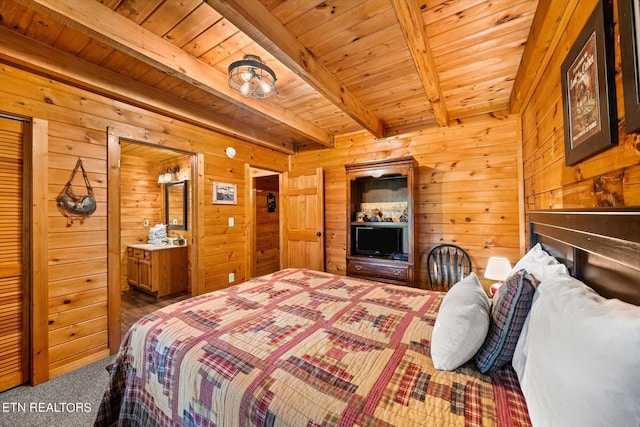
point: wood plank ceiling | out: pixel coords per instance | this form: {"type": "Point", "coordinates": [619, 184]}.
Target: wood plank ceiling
{"type": "Point", "coordinates": [386, 66]}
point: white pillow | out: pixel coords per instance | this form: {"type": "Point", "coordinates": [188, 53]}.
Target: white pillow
{"type": "Point", "coordinates": [538, 263]}
{"type": "Point", "coordinates": [578, 357]}
{"type": "Point", "coordinates": [461, 325]}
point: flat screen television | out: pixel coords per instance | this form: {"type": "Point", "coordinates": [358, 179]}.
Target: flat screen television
{"type": "Point", "coordinates": [377, 241]}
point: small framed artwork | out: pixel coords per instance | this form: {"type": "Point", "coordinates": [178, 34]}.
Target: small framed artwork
{"type": "Point", "coordinates": [225, 194]}
{"type": "Point", "coordinates": [629, 17]}
{"type": "Point", "coordinates": [588, 89]}
{"type": "Point", "coordinates": [271, 202]}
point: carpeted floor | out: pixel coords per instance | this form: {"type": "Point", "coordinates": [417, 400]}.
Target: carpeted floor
{"type": "Point", "coordinates": [51, 403]}
{"type": "Point", "coordinates": [70, 400]}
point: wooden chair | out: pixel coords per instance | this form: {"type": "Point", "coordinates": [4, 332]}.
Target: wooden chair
{"type": "Point", "coordinates": [446, 265]}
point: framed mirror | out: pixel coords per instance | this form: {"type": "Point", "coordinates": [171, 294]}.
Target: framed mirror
{"type": "Point", "coordinates": [175, 205]}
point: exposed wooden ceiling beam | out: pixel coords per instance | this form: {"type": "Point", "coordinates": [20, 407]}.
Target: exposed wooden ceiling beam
{"type": "Point", "coordinates": [413, 28]}
{"type": "Point", "coordinates": [23, 51]}
{"type": "Point", "coordinates": [109, 27]}
{"type": "Point", "coordinates": [255, 20]}
{"type": "Point", "coordinates": [549, 22]}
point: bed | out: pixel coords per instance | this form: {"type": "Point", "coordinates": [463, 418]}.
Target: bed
{"type": "Point", "coordinates": [306, 348]}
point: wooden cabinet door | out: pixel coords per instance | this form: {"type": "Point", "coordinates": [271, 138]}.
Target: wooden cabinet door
{"type": "Point", "coordinates": [144, 275]}
{"type": "Point", "coordinates": [302, 219]}
{"type": "Point", "coordinates": [13, 316]}
{"type": "Point", "coordinates": [132, 271]}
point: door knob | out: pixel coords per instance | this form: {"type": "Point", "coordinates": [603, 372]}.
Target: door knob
{"type": "Point", "coordinates": [319, 233]}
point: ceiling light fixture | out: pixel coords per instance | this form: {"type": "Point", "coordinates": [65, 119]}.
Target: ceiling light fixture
{"type": "Point", "coordinates": [251, 78]}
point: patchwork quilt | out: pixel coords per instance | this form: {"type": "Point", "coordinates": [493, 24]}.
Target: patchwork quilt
{"type": "Point", "coordinates": [300, 348]}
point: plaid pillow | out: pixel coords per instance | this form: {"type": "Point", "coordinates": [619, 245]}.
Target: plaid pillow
{"type": "Point", "coordinates": [510, 309]}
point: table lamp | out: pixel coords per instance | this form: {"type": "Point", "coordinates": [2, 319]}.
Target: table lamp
{"type": "Point", "coordinates": [498, 268]}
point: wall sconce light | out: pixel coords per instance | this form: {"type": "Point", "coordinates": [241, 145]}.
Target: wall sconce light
{"type": "Point", "coordinates": [169, 175]}
{"type": "Point", "coordinates": [163, 178]}
{"type": "Point", "coordinates": [498, 268]}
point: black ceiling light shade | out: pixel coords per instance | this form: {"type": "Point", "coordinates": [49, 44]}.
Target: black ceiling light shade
{"type": "Point", "coordinates": [251, 78]}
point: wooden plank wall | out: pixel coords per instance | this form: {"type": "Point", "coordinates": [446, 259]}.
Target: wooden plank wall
{"type": "Point", "coordinates": [611, 178]}
{"type": "Point", "coordinates": [225, 245]}
{"type": "Point", "coordinates": [140, 198]}
{"type": "Point", "coordinates": [77, 270]}
{"type": "Point", "coordinates": [467, 195]}
{"type": "Point", "coordinates": [266, 257]}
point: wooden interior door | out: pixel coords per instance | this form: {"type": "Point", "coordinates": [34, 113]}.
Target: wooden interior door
{"type": "Point", "coordinates": [302, 219]}
{"type": "Point", "coordinates": [14, 366]}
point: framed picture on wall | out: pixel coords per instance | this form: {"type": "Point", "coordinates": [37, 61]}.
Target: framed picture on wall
{"type": "Point", "coordinates": [588, 89]}
{"type": "Point", "coordinates": [629, 17]}
{"type": "Point", "coordinates": [225, 194]}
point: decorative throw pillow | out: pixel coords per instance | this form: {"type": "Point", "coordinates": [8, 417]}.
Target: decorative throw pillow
{"type": "Point", "coordinates": [511, 304]}
{"type": "Point", "coordinates": [461, 325]}
{"type": "Point", "coordinates": [538, 263]}
{"type": "Point", "coordinates": [577, 362]}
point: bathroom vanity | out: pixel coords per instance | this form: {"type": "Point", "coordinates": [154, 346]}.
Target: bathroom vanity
{"type": "Point", "coordinates": [158, 269]}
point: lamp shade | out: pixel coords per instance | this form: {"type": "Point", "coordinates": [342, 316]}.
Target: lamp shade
{"type": "Point", "coordinates": [498, 268]}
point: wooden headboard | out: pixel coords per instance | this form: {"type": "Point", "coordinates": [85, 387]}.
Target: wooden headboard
{"type": "Point", "coordinates": [601, 247]}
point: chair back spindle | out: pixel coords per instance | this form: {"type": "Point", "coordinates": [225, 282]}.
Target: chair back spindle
{"type": "Point", "coordinates": [446, 265]}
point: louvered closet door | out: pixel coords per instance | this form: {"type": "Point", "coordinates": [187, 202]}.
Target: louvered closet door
{"type": "Point", "coordinates": [13, 337]}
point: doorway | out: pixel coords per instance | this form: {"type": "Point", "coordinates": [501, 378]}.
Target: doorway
{"type": "Point", "coordinates": [265, 234]}
{"type": "Point", "coordinates": [147, 172]}
{"type": "Point", "coordinates": [134, 139]}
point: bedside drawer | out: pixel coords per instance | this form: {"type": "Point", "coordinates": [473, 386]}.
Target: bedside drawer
{"type": "Point", "coordinates": [357, 268]}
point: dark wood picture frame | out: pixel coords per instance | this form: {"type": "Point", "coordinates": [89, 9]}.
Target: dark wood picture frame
{"type": "Point", "coordinates": [588, 88]}
{"type": "Point", "coordinates": [629, 20]}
